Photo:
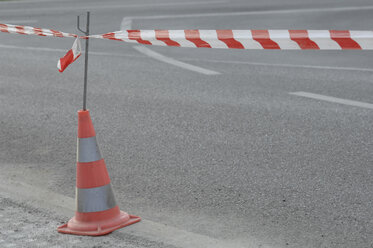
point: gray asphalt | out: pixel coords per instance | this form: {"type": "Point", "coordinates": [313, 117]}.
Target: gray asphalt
{"type": "Point", "coordinates": [231, 156]}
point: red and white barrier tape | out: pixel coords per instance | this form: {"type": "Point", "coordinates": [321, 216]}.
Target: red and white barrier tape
{"type": "Point", "coordinates": [230, 39]}
{"type": "Point", "coordinates": [72, 55]}
{"type": "Point", "coordinates": [249, 39]}
{"type": "Point", "coordinates": [15, 29]}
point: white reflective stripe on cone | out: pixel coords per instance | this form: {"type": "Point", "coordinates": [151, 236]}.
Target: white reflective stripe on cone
{"type": "Point", "coordinates": [88, 150]}
{"type": "Point", "coordinates": [95, 199]}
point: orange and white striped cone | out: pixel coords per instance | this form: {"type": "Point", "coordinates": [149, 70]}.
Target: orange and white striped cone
{"type": "Point", "coordinates": [97, 212]}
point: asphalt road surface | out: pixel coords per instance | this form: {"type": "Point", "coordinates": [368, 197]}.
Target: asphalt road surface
{"type": "Point", "coordinates": [242, 148]}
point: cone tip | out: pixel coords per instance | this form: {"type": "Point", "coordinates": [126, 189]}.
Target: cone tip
{"type": "Point", "coordinates": [85, 126]}
{"type": "Point", "coordinates": [83, 111]}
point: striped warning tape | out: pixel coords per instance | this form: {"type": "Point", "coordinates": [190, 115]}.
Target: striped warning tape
{"type": "Point", "coordinates": [234, 39]}
{"type": "Point", "coordinates": [230, 39]}
{"type": "Point", "coordinates": [16, 29]}
{"type": "Point", "coordinates": [249, 39]}
{"type": "Point", "coordinates": [71, 55]}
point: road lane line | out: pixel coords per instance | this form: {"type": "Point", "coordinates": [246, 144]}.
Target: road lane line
{"type": "Point", "coordinates": [282, 65]}
{"type": "Point", "coordinates": [45, 49]}
{"type": "Point", "coordinates": [63, 205]}
{"type": "Point", "coordinates": [257, 12]}
{"type": "Point", "coordinates": [18, 21]}
{"type": "Point", "coordinates": [126, 24]}
{"type": "Point", "coordinates": [21, 2]}
{"type": "Point", "coordinates": [114, 6]}
{"type": "Point", "coordinates": [197, 60]}
{"type": "Point", "coordinates": [254, 12]}
{"type": "Point", "coordinates": [171, 61]}
{"type": "Point", "coordinates": [333, 99]}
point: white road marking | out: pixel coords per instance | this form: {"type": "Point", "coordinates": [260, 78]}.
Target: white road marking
{"type": "Point", "coordinates": [107, 6]}
{"type": "Point", "coordinates": [113, 6]}
{"type": "Point", "coordinates": [141, 49]}
{"type": "Point", "coordinates": [44, 49]}
{"type": "Point", "coordinates": [43, 199]}
{"type": "Point", "coordinates": [333, 99]}
{"type": "Point", "coordinates": [283, 65]}
{"type": "Point", "coordinates": [257, 12]}
{"type": "Point", "coordinates": [21, 2]}
{"type": "Point", "coordinates": [171, 61]}
{"type": "Point", "coordinates": [18, 21]}
{"type": "Point", "coordinates": [127, 24]}
{"type": "Point", "coordinates": [192, 59]}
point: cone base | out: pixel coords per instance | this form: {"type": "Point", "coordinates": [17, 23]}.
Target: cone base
{"type": "Point", "coordinates": [97, 229]}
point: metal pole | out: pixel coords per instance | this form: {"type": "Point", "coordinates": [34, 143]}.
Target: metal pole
{"type": "Point", "coordinates": [86, 65]}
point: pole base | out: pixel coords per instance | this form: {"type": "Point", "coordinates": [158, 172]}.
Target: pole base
{"type": "Point", "coordinates": [88, 228]}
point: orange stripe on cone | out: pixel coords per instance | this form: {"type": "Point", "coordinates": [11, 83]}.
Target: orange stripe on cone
{"type": "Point", "coordinates": [92, 174]}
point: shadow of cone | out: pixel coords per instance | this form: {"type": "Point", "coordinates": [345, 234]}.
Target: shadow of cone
{"type": "Point", "coordinates": [97, 212]}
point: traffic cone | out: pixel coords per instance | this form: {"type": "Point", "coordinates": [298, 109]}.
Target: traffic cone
{"type": "Point", "coordinates": [97, 212]}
